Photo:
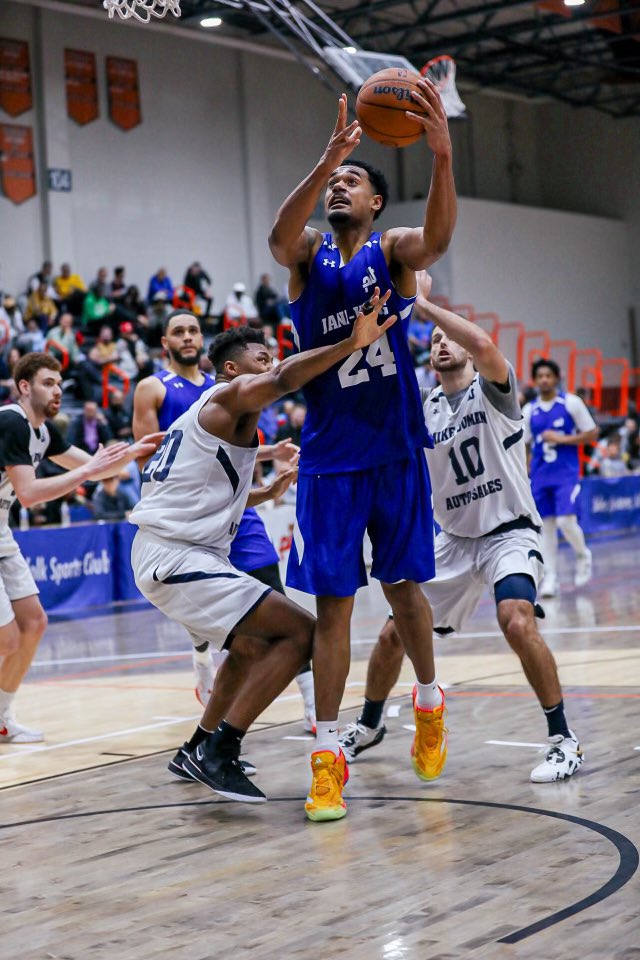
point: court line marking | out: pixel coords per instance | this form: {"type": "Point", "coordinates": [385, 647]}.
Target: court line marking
{"type": "Point", "coordinates": [515, 743]}
{"type": "Point", "coordinates": [628, 856]}
{"type": "Point", "coordinates": [394, 710]}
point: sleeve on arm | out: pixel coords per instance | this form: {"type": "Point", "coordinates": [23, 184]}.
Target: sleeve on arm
{"type": "Point", "coordinates": [504, 397]}
{"type": "Point", "coordinates": [14, 441]}
{"type": "Point", "coordinates": [57, 443]}
{"type": "Point", "coordinates": [580, 413]}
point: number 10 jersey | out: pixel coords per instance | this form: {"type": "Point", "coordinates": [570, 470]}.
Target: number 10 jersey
{"type": "Point", "coordinates": [195, 487]}
{"type": "Point", "coordinates": [365, 410]}
{"type": "Point", "coordinates": [478, 463]}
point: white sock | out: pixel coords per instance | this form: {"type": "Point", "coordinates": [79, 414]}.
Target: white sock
{"type": "Point", "coordinates": [6, 699]}
{"type": "Point", "coordinates": [550, 546]}
{"type": "Point", "coordinates": [573, 534]}
{"type": "Point", "coordinates": [428, 695]}
{"type": "Point", "coordinates": [305, 683]}
{"type": "Point", "coordinates": [202, 656]}
{"type": "Point", "coordinates": [327, 736]}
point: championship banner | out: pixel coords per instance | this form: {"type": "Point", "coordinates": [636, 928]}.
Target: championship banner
{"type": "Point", "coordinates": [609, 504]}
{"type": "Point", "coordinates": [17, 165]}
{"type": "Point", "coordinates": [81, 83]}
{"type": "Point", "coordinates": [15, 77]}
{"type": "Point", "coordinates": [123, 92]}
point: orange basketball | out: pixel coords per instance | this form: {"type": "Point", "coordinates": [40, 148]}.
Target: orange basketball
{"type": "Point", "coordinates": [382, 104]}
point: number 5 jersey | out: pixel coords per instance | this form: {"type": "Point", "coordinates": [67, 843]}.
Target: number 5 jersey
{"type": "Point", "coordinates": [365, 410]}
{"type": "Point", "coordinates": [195, 487]}
{"type": "Point", "coordinates": [478, 462]}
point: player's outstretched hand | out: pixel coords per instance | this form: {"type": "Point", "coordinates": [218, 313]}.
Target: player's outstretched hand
{"type": "Point", "coordinates": [105, 457]}
{"type": "Point", "coordinates": [366, 328]}
{"type": "Point", "coordinates": [286, 451]}
{"type": "Point", "coordinates": [434, 120]}
{"type": "Point", "coordinates": [146, 445]}
{"type": "Point", "coordinates": [344, 139]}
{"type": "Point", "coordinates": [282, 482]}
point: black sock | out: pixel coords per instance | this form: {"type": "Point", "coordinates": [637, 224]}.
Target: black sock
{"type": "Point", "coordinates": [197, 738]}
{"type": "Point", "coordinates": [305, 668]}
{"type": "Point", "coordinates": [556, 720]}
{"type": "Point", "coordinates": [202, 646]}
{"type": "Point", "coordinates": [226, 739]}
{"type": "Point", "coordinates": [372, 713]}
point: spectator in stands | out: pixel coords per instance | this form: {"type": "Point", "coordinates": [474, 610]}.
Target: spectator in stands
{"type": "Point", "coordinates": [198, 280]}
{"type": "Point", "coordinates": [105, 349]}
{"type": "Point", "coordinates": [95, 309]}
{"type": "Point", "coordinates": [32, 339]}
{"type": "Point", "coordinates": [71, 290]}
{"type": "Point", "coordinates": [160, 288]}
{"type": "Point", "coordinates": [8, 392]}
{"type": "Point", "coordinates": [11, 319]}
{"type": "Point", "coordinates": [239, 306]}
{"type": "Point", "coordinates": [134, 310]}
{"type": "Point", "coordinates": [100, 285]}
{"type": "Point", "coordinates": [88, 429]}
{"type": "Point", "coordinates": [159, 297]}
{"type": "Point", "coordinates": [63, 335]}
{"type": "Point", "coordinates": [268, 301]}
{"type": "Point", "coordinates": [613, 463]}
{"type": "Point", "coordinates": [44, 275]}
{"type": "Point", "coordinates": [133, 356]}
{"type": "Point", "coordinates": [109, 502]}
{"type": "Point", "coordinates": [89, 372]}
{"type": "Point", "coordinates": [117, 287]}
{"type": "Point", "coordinates": [117, 417]}
{"type": "Point", "coordinates": [425, 374]}
{"type": "Point", "coordinates": [293, 428]}
{"type": "Point", "coordinates": [41, 307]}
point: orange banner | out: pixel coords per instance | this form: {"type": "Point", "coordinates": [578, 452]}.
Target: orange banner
{"type": "Point", "coordinates": [82, 85]}
{"type": "Point", "coordinates": [15, 77]}
{"type": "Point", "coordinates": [124, 93]}
{"type": "Point", "coordinates": [17, 166]}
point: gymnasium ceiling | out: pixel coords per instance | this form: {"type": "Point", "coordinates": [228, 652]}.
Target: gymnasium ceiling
{"type": "Point", "coordinates": [586, 55]}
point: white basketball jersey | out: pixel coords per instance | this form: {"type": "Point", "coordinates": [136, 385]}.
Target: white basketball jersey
{"type": "Point", "coordinates": [478, 464]}
{"type": "Point", "coordinates": [39, 440]}
{"type": "Point", "coordinates": [195, 487]}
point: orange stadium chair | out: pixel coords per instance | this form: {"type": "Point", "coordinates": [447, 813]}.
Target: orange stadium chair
{"type": "Point", "coordinates": [489, 322]}
{"type": "Point", "coordinates": [108, 371]}
{"type": "Point", "coordinates": [616, 375]}
{"type": "Point", "coordinates": [509, 341]}
{"type": "Point", "coordinates": [529, 353]}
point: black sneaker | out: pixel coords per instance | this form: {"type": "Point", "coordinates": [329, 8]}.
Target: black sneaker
{"type": "Point", "coordinates": [176, 765]}
{"type": "Point", "coordinates": [223, 774]}
{"type": "Point", "coordinates": [357, 738]}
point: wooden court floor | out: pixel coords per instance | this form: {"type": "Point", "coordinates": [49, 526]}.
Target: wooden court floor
{"type": "Point", "coordinates": [105, 857]}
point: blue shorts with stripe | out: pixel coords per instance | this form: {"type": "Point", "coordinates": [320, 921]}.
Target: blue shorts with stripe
{"type": "Point", "coordinates": [391, 502]}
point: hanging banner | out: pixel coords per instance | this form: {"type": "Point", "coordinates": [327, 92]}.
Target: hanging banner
{"type": "Point", "coordinates": [82, 86]}
{"type": "Point", "coordinates": [17, 166]}
{"type": "Point", "coordinates": [123, 92]}
{"type": "Point", "coordinates": [15, 77]}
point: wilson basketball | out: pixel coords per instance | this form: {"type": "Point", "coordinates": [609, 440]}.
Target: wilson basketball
{"type": "Point", "coordinates": [382, 104]}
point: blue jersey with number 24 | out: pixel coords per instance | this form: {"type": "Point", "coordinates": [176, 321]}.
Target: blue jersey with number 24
{"type": "Point", "coordinates": [365, 410]}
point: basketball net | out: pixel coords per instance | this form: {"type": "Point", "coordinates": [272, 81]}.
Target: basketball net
{"type": "Point", "coordinates": [442, 72]}
{"type": "Point", "coordinates": [142, 10]}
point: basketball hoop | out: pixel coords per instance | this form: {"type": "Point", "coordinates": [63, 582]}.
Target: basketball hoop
{"type": "Point", "coordinates": [142, 10]}
{"type": "Point", "coordinates": [442, 72]}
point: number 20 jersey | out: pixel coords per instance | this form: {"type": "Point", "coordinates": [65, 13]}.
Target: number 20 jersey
{"type": "Point", "coordinates": [365, 410]}
{"type": "Point", "coordinates": [478, 463]}
{"type": "Point", "coordinates": [195, 487]}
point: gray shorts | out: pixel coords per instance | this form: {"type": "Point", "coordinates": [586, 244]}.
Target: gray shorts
{"type": "Point", "coordinates": [16, 583]}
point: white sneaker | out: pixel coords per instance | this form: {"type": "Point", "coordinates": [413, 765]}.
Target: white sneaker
{"type": "Point", "coordinates": [305, 685]}
{"type": "Point", "coordinates": [584, 569]}
{"type": "Point", "coordinates": [13, 732]}
{"type": "Point", "coordinates": [563, 757]}
{"type": "Point", "coordinates": [204, 674]}
{"type": "Point", "coordinates": [357, 738]}
{"type": "Point", "coordinates": [549, 586]}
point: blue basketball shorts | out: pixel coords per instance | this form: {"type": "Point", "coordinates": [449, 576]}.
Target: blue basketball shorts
{"type": "Point", "coordinates": [557, 499]}
{"type": "Point", "coordinates": [392, 503]}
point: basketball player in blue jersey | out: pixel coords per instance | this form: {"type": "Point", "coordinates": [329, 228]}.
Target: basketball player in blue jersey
{"type": "Point", "coordinates": [159, 400]}
{"type": "Point", "coordinates": [362, 465]}
{"type": "Point", "coordinates": [556, 424]}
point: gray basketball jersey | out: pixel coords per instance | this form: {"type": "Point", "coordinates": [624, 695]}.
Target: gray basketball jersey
{"type": "Point", "coordinates": [39, 441]}
{"type": "Point", "coordinates": [195, 488]}
{"type": "Point", "coordinates": [478, 464]}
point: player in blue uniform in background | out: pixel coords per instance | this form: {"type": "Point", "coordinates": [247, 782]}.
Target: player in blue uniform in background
{"type": "Point", "coordinates": [556, 424]}
{"type": "Point", "coordinates": [362, 464]}
{"type": "Point", "coordinates": [162, 398]}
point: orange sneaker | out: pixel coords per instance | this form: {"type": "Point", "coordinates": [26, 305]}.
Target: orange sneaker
{"type": "Point", "coordinates": [429, 747]}
{"type": "Point", "coordinates": [329, 775]}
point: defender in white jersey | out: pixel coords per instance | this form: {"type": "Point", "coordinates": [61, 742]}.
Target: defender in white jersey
{"type": "Point", "coordinates": [194, 492]}
{"type": "Point", "coordinates": [490, 531]}
{"type": "Point", "coordinates": [27, 438]}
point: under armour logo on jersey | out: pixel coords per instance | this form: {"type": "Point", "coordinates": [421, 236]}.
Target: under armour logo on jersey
{"type": "Point", "coordinates": [328, 263]}
{"type": "Point", "coordinates": [178, 386]}
{"type": "Point", "coordinates": [370, 279]}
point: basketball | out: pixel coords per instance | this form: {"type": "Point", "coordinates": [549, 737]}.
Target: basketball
{"type": "Point", "coordinates": [382, 104]}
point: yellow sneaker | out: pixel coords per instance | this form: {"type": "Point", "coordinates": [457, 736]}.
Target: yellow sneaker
{"type": "Point", "coordinates": [429, 747]}
{"type": "Point", "coordinates": [329, 775]}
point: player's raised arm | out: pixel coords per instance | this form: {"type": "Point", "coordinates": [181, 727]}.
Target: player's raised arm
{"type": "Point", "coordinates": [487, 359]}
{"type": "Point", "coordinates": [290, 240]}
{"type": "Point", "coordinates": [419, 248]}
{"type": "Point", "coordinates": [249, 394]}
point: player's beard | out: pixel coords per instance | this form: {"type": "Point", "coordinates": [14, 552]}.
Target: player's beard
{"type": "Point", "coordinates": [340, 218]}
{"type": "Point", "coordinates": [449, 366]}
{"type": "Point", "coordinates": [177, 357]}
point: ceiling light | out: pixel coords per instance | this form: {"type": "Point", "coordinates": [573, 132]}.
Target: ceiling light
{"type": "Point", "coordinates": [574, 3]}
{"type": "Point", "coordinates": [349, 49]}
{"type": "Point", "coordinates": [211, 22]}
